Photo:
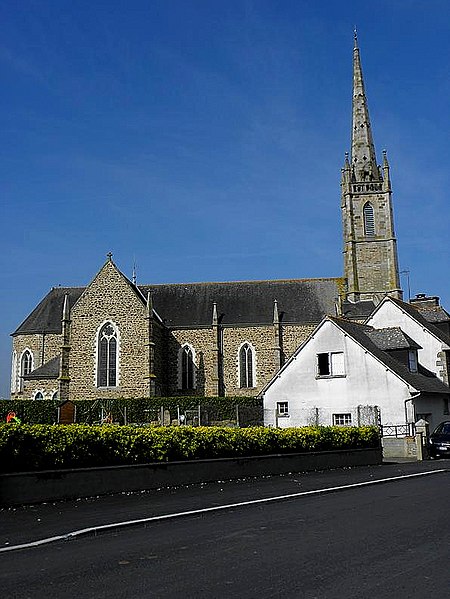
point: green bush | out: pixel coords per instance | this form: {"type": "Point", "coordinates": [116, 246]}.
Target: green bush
{"type": "Point", "coordinates": [26, 447]}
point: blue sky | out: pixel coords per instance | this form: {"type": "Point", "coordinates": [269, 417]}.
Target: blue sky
{"type": "Point", "coordinates": [204, 139]}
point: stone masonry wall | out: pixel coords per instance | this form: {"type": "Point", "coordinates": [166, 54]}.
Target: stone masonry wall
{"type": "Point", "coordinates": [109, 297]}
{"type": "Point", "coordinates": [203, 342]}
{"type": "Point", "coordinates": [43, 347]}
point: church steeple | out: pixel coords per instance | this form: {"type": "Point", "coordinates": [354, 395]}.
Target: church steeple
{"type": "Point", "coordinates": [363, 158]}
{"type": "Point", "coordinates": [370, 247]}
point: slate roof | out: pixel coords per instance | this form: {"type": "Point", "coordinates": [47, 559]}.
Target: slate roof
{"type": "Point", "coordinates": [437, 314]}
{"type": "Point", "coordinates": [49, 370]}
{"type": "Point", "coordinates": [304, 301]}
{"type": "Point", "coordinates": [423, 380]}
{"type": "Point", "coordinates": [48, 313]}
{"type": "Point", "coordinates": [245, 302]}
{"type": "Point", "coordinates": [190, 304]}
{"type": "Point", "coordinates": [392, 338]}
{"type": "Point", "coordinates": [357, 310]}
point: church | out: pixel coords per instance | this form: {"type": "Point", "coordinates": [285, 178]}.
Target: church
{"type": "Point", "coordinates": [115, 338]}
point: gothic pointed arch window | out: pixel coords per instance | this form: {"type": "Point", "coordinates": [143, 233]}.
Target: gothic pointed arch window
{"type": "Point", "coordinates": [26, 365]}
{"type": "Point", "coordinates": [107, 355]}
{"type": "Point", "coordinates": [369, 220]}
{"type": "Point", "coordinates": [246, 360]}
{"type": "Point", "coordinates": [186, 368]}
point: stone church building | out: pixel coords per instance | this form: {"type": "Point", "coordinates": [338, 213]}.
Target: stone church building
{"type": "Point", "coordinates": [114, 338]}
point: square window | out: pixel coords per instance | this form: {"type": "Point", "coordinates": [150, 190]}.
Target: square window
{"type": "Point", "coordinates": [342, 419]}
{"type": "Point", "coordinates": [330, 364]}
{"type": "Point", "coordinates": [283, 408]}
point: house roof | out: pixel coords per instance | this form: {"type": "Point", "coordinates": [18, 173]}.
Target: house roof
{"type": "Point", "coordinates": [49, 370]}
{"type": "Point", "coordinates": [303, 301]}
{"type": "Point", "coordinates": [436, 314]}
{"type": "Point", "coordinates": [357, 310]}
{"type": "Point", "coordinates": [420, 318]}
{"type": "Point", "coordinates": [423, 380]}
{"type": "Point", "coordinates": [392, 338]}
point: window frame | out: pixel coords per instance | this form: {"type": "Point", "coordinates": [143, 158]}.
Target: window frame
{"type": "Point", "coordinates": [413, 361]}
{"type": "Point", "coordinates": [22, 372]}
{"type": "Point", "coordinates": [346, 418]}
{"type": "Point", "coordinates": [249, 352]}
{"type": "Point", "coordinates": [282, 409]}
{"type": "Point", "coordinates": [330, 374]}
{"type": "Point", "coordinates": [181, 356]}
{"type": "Point", "coordinates": [98, 340]}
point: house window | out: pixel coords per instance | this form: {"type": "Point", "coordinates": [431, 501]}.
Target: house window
{"type": "Point", "coordinates": [107, 361]}
{"type": "Point", "coordinates": [342, 419]}
{"type": "Point", "coordinates": [330, 364]}
{"type": "Point", "coordinates": [369, 221]}
{"type": "Point", "coordinates": [246, 366]}
{"type": "Point", "coordinates": [283, 408]}
{"type": "Point", "coordinates": [412, 360]}
{"type": "Point", "coordinates": [186, 365]}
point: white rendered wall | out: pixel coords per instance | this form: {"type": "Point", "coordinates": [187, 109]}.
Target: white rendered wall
{"type": "Point", "coordinates": [390, 315]}
{"type": "Point", "coordinates": [366, 383]}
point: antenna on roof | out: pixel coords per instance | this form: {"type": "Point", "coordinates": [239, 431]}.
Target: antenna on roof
{"type": "Point", "coordinates": [406, 272]}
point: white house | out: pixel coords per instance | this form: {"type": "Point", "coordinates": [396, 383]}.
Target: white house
{"type": "Point", "coordinates": [348, 374]}
{"type": "Point", "coordinates": [434, 353]}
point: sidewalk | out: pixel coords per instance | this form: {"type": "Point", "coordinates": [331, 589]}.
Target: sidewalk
{"type": "Point", "coordinates": [35, 522]}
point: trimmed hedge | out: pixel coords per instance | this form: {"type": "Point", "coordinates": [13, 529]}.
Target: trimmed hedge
{"type": "Point", "coordinates": [42, 447]}
{"type": "Point", "coordinates": [137, 410]}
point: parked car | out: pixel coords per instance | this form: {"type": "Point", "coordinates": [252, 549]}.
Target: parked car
{"type": "Point", "coordinates": [439, 443]}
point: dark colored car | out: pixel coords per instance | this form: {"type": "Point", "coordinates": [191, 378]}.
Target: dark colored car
{"type": "Point", "coordinates": [439, 444]}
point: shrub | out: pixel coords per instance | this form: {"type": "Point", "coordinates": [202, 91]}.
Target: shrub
{"type": "Point", "coordinates": [26, 447]}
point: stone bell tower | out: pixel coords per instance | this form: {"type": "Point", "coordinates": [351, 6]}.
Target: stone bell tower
{"type": "Point", "coordinates": [370, 247]}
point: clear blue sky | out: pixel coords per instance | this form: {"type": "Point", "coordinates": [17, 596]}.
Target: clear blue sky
{"type": "Point", "coordinates": [204, 139]}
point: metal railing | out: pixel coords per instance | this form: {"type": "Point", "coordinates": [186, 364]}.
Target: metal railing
{"type": "Point", "coordinates": [398, 430]}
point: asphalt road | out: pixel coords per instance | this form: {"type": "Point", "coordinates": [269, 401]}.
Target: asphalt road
{"type": "Point", "coordinates": [373, 541]}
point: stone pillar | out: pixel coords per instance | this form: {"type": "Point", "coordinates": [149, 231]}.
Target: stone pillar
{"type": "Point", "coordinates": [64, 365]}
{"type": "Point", "coordinates": [422, 432]}
{"type": "Point", "coordinates": [150, 347]}
{"type": "Point", "coordinates": [217, 379]}
{"type": "Point", "coordinates": [277, 347]}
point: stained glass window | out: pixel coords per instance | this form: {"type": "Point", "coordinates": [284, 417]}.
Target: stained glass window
{"type": "Point", "coordinates": [107, 356]}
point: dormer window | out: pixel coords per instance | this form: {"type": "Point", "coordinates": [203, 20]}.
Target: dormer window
{"type": "Point", "coordinates": [412, 360]}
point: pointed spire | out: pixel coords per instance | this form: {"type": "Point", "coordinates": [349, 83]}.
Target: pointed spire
{"type": "Point", "coordinates": [149, 305]}
{"type": "Point", "coordinates": [215, 319]}
{"type": "Point", "coordinates": [66, 308]}
{"type": "Point", "coordinates": [364, 162]}
{"type": "Point", "coordinates": [276, 316]}
{"type": "Point", "coordinates": [386, 175]}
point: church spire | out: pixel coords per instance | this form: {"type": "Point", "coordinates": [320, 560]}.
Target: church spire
{"type": "Point", "coordinates": [363, 158]}
{"type": "Point", "coordinates": [370, 247]}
